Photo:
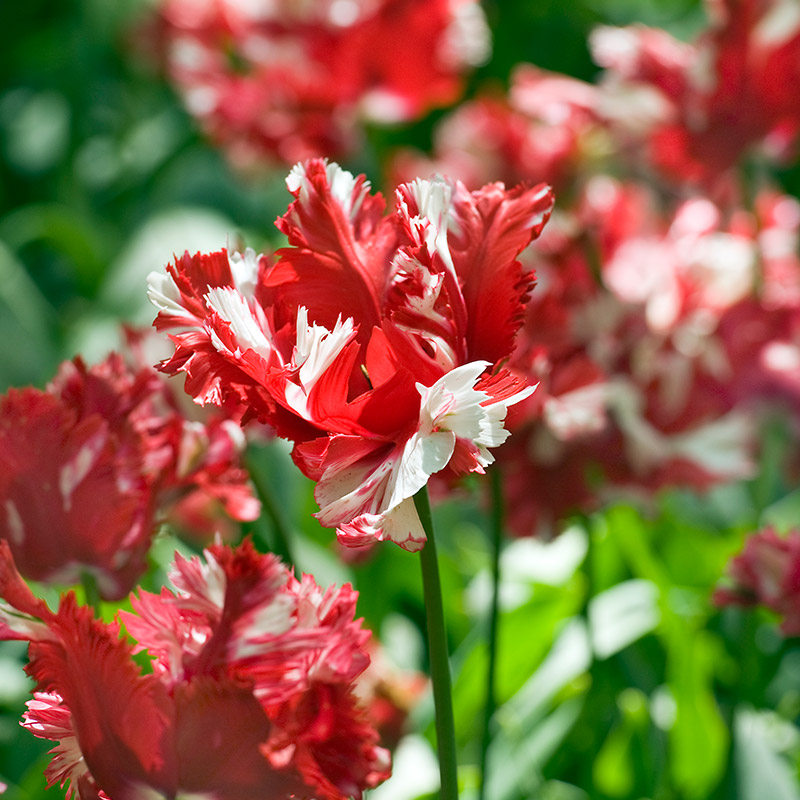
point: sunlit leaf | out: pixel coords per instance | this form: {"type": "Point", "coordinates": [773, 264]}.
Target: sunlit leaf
{"type": "Point", "coordinates": [621, 615]}
{"type": "Point", "coordinates": [761, 769]}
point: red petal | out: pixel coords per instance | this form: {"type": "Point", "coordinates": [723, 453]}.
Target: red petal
{"type": "Point", "coordinates": [122, 719]}
{"type": "Point", "coordinates": [220, 727]}
{"type": "Point", "coordinates": [77, 478]}
{"type": "Point", "coordinates": [194, 276]}
{"type": "Point", "coordinates": [338, 262]}
{"type": "Point", "coordinates": [333, 744]}
{"type": "Point", "coordinates": [494, 226]}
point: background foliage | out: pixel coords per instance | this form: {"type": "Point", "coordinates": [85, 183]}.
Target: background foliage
{"type": "Point", "coordinates": [617, 676]}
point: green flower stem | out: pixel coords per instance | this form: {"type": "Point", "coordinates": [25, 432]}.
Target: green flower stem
{"type": "Point", "coordinates": [497, 525]}
{"type": "Point", "coordinates": [282, 535]}
{"type": "Point", "coordinates": [439, 657]}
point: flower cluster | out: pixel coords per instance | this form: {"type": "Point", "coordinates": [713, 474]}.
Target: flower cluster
{"type": "Point", "coordinates": [287, 80]}
{"type": "Point", "coordinates": [373, 342]}
{"type": "Point", "coordinates": [699, 107]}
{"type": "Point", "coordinates": [250, 693]}
{"type": "Point", "coordinates": [546, 128]}
{"type": "Point", "coordinates": [392, 347]}
{"type": "Point", "coordinates": [653, 349]}
{"type": "Point", "coordinates": [666, 310]}
{"type": "Point", "coordinates": [89, 466]}
{"type": "Point", "coordinates": [688, 113]}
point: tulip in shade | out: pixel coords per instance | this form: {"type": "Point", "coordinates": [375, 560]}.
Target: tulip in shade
{"type": "Point", "coordinates": [250, 693]}
{"type": "Point", "coordinates": [74, 496]}
{"type": "Point", "coordinates": [89, 467]}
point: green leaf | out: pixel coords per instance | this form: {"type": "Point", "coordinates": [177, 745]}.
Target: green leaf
{"type": "Point", "coordinates": [762, 772]}
{"type": "Point", "coordinates": [699, 738]}
{"type": "Point", "coordinates": [614, 770]}
{"type": "Point", "coordinates": [516, 762]}
{"type": "Point", "coordinates": [26, 319]}
{"type": "Point", "coordinates": [568, 658]}
{"type": "Point", "coordinates": [622, 614]}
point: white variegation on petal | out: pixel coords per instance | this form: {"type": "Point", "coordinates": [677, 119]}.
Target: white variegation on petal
{"type": "Point", "coordinates": [234, 309]}
{"type": "Point", "coordinates": [453, 404]}
{"type": "Point", "coordinates": [424, 455]}
{"type": "Point", "coordinates": [68, 763]}
{"type": "Point", "coordinates": [14, 524]}
{"type": "Point", "coordinates": [78, 467]}
{"type": "Point", "coordinates": [18, 625]}
{"type": "Point", "coordinates": [423, 307]}
{"type": "Point", "coordinates": [434, 200]}
{"type": "Point", "coordinates": [403, 266]}
{"type": "Point", "coordinates": [493, 432]}
{"type": "Point", "coordinates": [779, 24]}
{"type": "Point", "coordinates": [201, 584]}
{"type": "Point", "coordinates": [361, 487]}
{"type": "Point", "coordinates": [165, 295]}
{"type": "Point", "coordinates": [467, 40]}
{"type": "Point", "coordinates": [188, 53]}
{"type": "Point", "coordinates": [384, 106]}
{"type": "Point", "coordinates": [256, 631]}
{"type": "Point", "coordinates": [400, 525]}
{"type": "Point", "coordinates": [721, 447]}
{"type": "Point", "coordinates": [577, 413]}
{"type": "Point", "coordinates": [538, 217]}
{"type": "Point", "coordinates": [193, 447]}
{"type": "Point", "coordinates": [361, 498]}
{"type": "Point", "coordinates": [317, 347]}
{"type": "Point", "coordinates": [723, 266]}
{"type": "Point", "coordinates": [343, 187]}
{"type": "Point", "coordinates": [371, 498]}
{"type": "Point", "coordinates": [244, 270]}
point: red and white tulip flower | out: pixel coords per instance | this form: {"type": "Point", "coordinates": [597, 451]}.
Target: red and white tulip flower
{"type": "Point", "coordinates": [374, 342]}
{"type": "Point", "coordinates": [251, 692]}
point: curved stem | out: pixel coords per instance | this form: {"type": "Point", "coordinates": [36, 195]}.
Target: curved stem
{"type": "Point", "coordinates": [497, 525]}
{"type": "Point", "coordinates": [439, 657]}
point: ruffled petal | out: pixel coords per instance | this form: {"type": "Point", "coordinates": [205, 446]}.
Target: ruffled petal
{"type": "Point", "coordinates": [340, 243]}
{"type": "Point", "coordinates": [490, 228]}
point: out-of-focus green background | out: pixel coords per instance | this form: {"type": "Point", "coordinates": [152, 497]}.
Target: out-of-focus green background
{"type": "Point", "coordinates": [617, 676]}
